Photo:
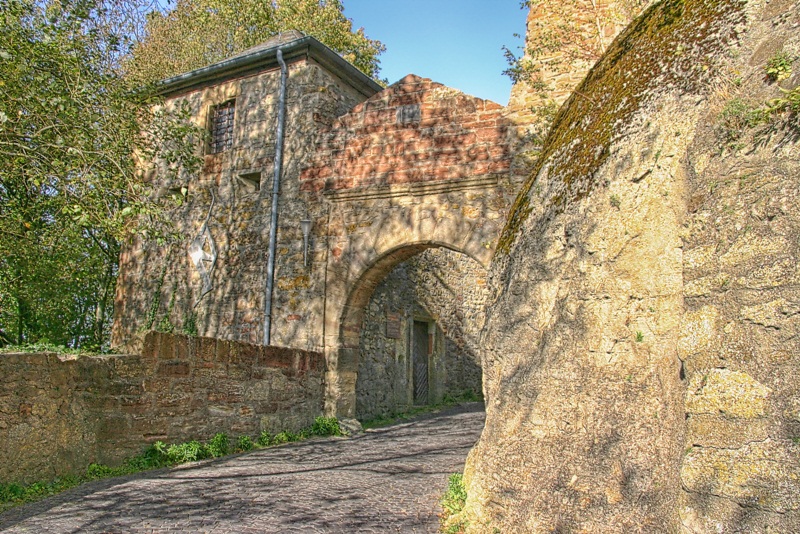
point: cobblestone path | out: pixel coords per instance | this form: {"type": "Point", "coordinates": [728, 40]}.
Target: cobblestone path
{"type": "Point", "coordinates": [385, 480]}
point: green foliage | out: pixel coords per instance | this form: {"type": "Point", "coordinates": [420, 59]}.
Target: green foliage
{"type": "Point", "coordinates": [639, 336]}
{"type": "Point", "coordinates": [244, 444]}
{"type": "Point", "coordinates": [453, 502]}
{"type": "Point", "coordinates": [11, 492]}
{"type": "Point", "coordinates": [191, 451]}
{"type": "Point", "coordinates": [196, 33]}
{"type": "Point", "coordinates": [159, 455]}
{"type": "Point", "coordinates": [153, 457]}
{"type": "Point", "coordinates": [164, 325]}
{"type": "Point", "coordinates": [99, 471]}
{"type": "Point", "coordinates": [43, 346]}
{"type": "Point", "coordinates": [740, 119]}
{"type": "Point", "coordinates": [779, 66]}
{"type": "Point", "coordinates": [288, 437]}
{"type": "Point", "coordinates": [735, 119]}
{"type": "Point", "coordinates": [190, 325]}
{"type": "Point", "coordinates": [280, 438]}
{"type": "Point", "coordinates": [264, 439]}
{"type": "Point", "coordinates": [789, 103]}
{"type": "Point", "coordinates": [70, 190]}
{"type": "Point", "coordinates": [456, 496]}
{"type": "Point", "coordinates": [448, 400]}
{"type": "Point", "coordinates": [218, 446]}
{"type": "Point", "coordinates": [326, 426]}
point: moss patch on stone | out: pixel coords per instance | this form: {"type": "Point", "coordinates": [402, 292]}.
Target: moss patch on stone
{"type": "Point", "coordinates": [680, 41]}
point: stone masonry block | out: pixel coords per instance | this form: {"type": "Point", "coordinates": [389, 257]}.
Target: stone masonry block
{"type": "Point", "coordinates": [173, 368]}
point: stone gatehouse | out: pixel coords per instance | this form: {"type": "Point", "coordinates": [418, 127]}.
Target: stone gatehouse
{"type": "Point", "coordinates": [390, 202]}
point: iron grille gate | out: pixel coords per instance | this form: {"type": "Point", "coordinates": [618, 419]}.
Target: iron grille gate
{"type": "Point", "coordinates": [421, 355]}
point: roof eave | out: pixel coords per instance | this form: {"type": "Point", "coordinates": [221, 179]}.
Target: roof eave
{"type": "Point", "coordinates": [262, 60]}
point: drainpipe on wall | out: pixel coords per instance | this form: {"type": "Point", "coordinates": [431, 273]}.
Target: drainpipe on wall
{"type": "Point", "coordinates": [276, 185]}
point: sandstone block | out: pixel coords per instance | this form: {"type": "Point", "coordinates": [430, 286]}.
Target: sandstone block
{"type": "Point", "coordinates": [761, 474]}
{"type": "Point", "coordinates": [732, 393]}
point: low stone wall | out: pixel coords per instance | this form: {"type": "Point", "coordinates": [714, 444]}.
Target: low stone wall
{"type": "Point", "coordinates": [58, 414]}
{"type": "Point", "coordinates": [45, 425]}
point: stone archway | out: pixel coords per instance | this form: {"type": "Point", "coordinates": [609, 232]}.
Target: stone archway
{"type": "Point", "coordinates": [416, 166]}
{"type": "Point", "coordinates": [419, 334]}
{"type": "Point", "coordinates": [343, 352]}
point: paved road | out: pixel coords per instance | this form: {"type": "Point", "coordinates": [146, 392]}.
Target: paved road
{"type": "Point", "coordinates": [386, 480]}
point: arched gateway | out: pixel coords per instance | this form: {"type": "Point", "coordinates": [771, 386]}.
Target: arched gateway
{"type": "Point", "coordinates": [369, 177]}
{"type": "Point", "coordinates": [416, 166]}
{"type": "Point", "coordinates": [345, 316]}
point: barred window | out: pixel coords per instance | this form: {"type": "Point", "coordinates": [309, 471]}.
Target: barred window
{"type": "Point", "coordinates": [221, 127]}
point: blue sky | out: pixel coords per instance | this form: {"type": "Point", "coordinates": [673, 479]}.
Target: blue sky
{"type": "Point", "coordinates": [454, 42]}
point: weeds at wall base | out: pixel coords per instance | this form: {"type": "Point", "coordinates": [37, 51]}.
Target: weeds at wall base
{"type": "Point", "coordinates": [45, 346]}
{"type": "Point", "coordinates": [453, 502]}
{"type": "Point", "coordinates": [159, 455]}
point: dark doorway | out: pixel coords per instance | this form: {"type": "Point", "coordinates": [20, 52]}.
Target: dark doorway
{"type": "Point", "coordinates": [422, 348]}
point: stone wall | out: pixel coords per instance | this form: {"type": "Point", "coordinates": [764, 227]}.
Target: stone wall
{"type": "Point", "coordinates": [415, 166]}
{"type": "Point", "coordinates": [59, 414]}
{"type": "Point", "coordinates": [740, 334]}
{"type": "Point", "coordinates": [47, 427]}
{"type": "Point", "coordinates": [436, 286]}
{"type": "Point", "coordinates": [418, 165]}
{"type": "Point", "coordinates": [640, 361]}
{"type": "Point", "coordinates": [160, 287]}
{"type": "Point", "coordinates": [562, 42]}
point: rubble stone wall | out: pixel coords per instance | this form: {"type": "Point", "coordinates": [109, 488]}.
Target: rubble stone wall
{"type": "Point", "coordinates": [160, 287]}
{"type": "Point", "coordinates": [416, 166]}
{"type": "Point", "coordinates": [416, 130]}
{"type": "Point", "coordinates": [58, 414]}
{"type": "Point", "coordinates": [640, 350]}
{"type": "Point", "coordinates": [437, 286]}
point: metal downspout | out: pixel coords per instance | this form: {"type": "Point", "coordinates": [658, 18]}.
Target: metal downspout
{"type": "Point", "coordinates": [276, 185]}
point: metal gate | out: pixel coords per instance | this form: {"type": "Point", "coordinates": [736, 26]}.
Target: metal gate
{"type": "Point", "coordinates": [421, 356]}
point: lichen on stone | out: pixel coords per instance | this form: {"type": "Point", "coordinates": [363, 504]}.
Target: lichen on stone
{"type": "Point", "coordinates": [680, 41]}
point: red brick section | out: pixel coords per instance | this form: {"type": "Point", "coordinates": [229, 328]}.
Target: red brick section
{"type": "Point", "coordinates": [414, 131]}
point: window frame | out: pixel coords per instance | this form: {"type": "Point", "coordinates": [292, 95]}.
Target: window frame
{"type": "Point", "coordinates": [221, 133]}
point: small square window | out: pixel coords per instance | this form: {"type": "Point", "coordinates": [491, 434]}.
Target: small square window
{"type": "Point", "coordinates": [251, 181]}
{"type": "Point", "coordinates": [221, 137]}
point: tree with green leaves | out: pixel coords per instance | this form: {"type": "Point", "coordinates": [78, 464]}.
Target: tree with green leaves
{"type": "Point", "coordinates": [196, 33]}
{"type": "Point", "coordinates": [71, 130]}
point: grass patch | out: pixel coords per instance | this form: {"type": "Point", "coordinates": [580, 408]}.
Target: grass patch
{"type": "Point", "coordinates": [160, 455]}
{"type": "Point", "coordinates": [326, 426]}
{"type": "Point", "coordinates": [44, 346]}
{"type": "Point", "coordinates": [453, 502]}
{"type": "Point", "coordinates": [394, 417]}
{"type": "Point", "coordinates": [779, 66]}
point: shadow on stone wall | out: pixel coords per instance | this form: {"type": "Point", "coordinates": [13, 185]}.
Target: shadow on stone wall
{"type": "Point", "coordinates": [437, 287]}
{"type": "Point", "coordinates": [58, 414]}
